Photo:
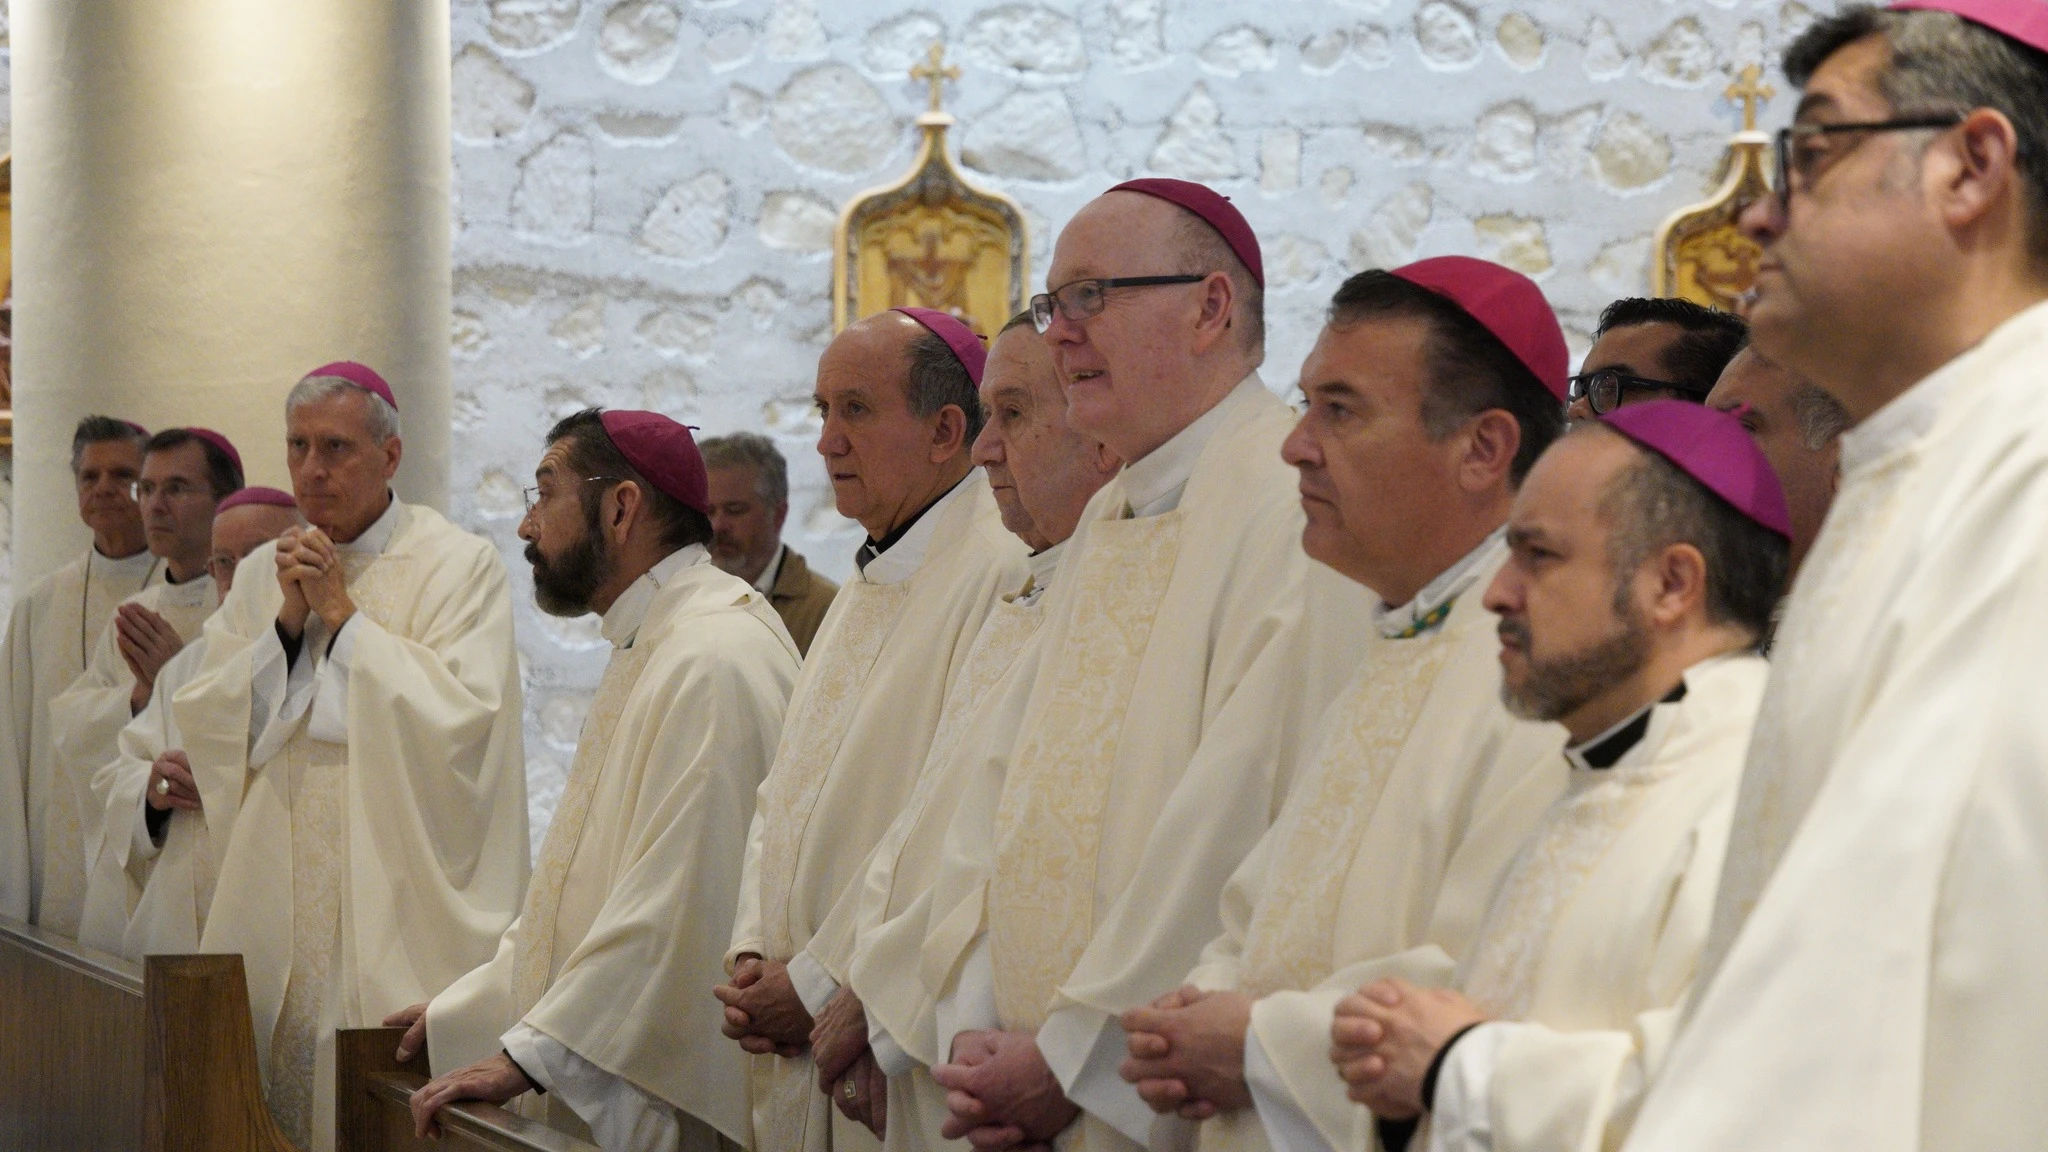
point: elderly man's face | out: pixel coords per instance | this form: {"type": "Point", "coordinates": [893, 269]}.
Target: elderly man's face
{"type": "Point", "coordinates": [1125, 369]}
{"type": "Point", "coordinates": [745, 529]}
{"type": "Point", "coordinates": [882, 458]}
{"type": "Point", "coordinates": [239, 531]}
{"type": "Point", "coordinates": [1765, 393]}
{"type": "Point", "coordinates": [176, 495]}
{"type": "Point", "coordinates": [340, 473]}
{"type": "Point", "coordinates": [1041, 471]}
{"type": "Point", "coordinates": [1371, 477]}
{"type": "Point", "coordinates": [1570, 626]}
{"type": "Point", "coordinates": [107, 472]}
{"type": "Point", "coordinates": [1633, 350]}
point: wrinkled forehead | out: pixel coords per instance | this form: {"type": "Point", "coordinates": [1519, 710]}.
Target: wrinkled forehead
{"type": "Point", "coordinates": [345, 411]}
{"type": "Point", "coordinates": [1019, 364]}
{"type": "Point", "coordinates": [871, 356]}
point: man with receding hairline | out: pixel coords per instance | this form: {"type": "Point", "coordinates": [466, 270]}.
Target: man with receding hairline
{"type": "Point", "coordinates": [896, 397]}
{"type": "Point", "coordinates": [1798, 426]}
{"type": "Point", "coordinates": [1186, 650]}
{"type": "Point", "coordinates": [749, 502]}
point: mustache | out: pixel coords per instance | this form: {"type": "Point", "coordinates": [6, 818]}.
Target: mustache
{"type": "Point", "coordinates": [1513, 632]}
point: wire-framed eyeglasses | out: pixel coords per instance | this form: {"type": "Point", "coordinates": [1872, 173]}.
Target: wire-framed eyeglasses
{"type": "Point", "coordinates": [1077, 300]}
{"type": "Point", "coordinates": [535, 497]}
{"type": "Point", "coordinates": [1799, 161]}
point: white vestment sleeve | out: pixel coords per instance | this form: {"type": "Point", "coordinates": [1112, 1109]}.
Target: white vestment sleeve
{"type": "Point", "coordinates": [327, 719]}
{"type": "Point", "coordinates": [622, 1118]}
{"type": "Point", "coordinates": [1462, 1119]}
{"type": "Point", "coordinates": [747, 934]}
{"type": "Point", "coordinates": [814, 986]}
{"type": "Point", "coordinates": [1084, 1049]}
{"type": "Point", "coordinates": [889, 1055]}
{"type": "Point", "coordinates": [1288, 1128]}
{"type": "Point", "coordinates": [140, 846]}
{"type": "Point", "coordinates": [970, 1004]}
{"type": "Point", "coordinates": [280, 691]}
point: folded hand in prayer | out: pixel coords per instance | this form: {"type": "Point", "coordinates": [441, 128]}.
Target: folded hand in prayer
{"type": "Point", "coordinates": [322, 579]}
{"type": "Point", "coordinates": [290, 571]}
{"type": "Point", "coordinates": [1001, 1093]}
{"type": "Point", "coordinates": [147, 642]}
{"type": "Point", "coordinates": [862, 1094]}
{"type": "Point", "coordinates": [762, 1009]}
{"type": "Point", "coordinates": [171, 784]}
{"type": "Point", "coordinates": [838, 1038]}
{"type": "Point", "coordinates": [1386, 1036]}
{"type": "Point", "coordinates": [1187, 1052]}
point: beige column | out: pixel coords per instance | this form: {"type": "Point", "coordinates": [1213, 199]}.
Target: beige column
{"type": "Point", "coordinates": [210, 198]}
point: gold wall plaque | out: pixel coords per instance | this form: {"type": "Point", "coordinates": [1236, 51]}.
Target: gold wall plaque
{"type": "Point", "coordinates": [931, 239]}
{"type": "Point", "coordinates": [1699, 253]}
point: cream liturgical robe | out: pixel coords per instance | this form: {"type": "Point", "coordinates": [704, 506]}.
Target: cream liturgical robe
{"type": "Point", "coordinates": [1873, 978]}
{"type": "Point", "coordinates": [1420, 791]}
{"type": "Point", "coordinates": [872, 940]}
{"type": "Point", "coordinates": [1187, 650]}
{"type": "Point", "coordinates": [170, 881]}
{"type": "Point", "coordinates": [626, 920]}
{"type": "Point", "coordinates": [860, 725]}
{"type": "Point", "coordinates": [1595, 934]}
{"type": "Point", "coordinates": [50, 634]}
{"type": "Point", "coordinates": [376, 792]}
{"type": "Point", "coordinates": [85, 722]}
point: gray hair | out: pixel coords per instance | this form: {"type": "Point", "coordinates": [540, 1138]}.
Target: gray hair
{"type": "Point", "coordinates": [938, 378]}
{"type": "Point", "coordinates": [1198, 240]}
{"type": "Point", "coordinates": [103, 430]}
{"type": "Point", "coordinates": [383, 417]}
{"type": "Point", "coordinates": [1821, 417]}
{"type": "Point", "coordinates": [1943, 63]}
{"type": "Point", "coordinates": [751, 450]}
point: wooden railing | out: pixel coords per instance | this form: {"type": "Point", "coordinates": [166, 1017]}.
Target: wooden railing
{"type": "Point", "coordinates": [371, 1113]}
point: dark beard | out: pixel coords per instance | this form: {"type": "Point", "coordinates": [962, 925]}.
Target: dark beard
{"type": "Point", "coordinates": [1557, 687]}
{"type": "Point", "coordinates": [564, 587]}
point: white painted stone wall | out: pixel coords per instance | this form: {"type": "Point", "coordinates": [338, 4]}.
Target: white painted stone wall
{"type": "Point", "coordinates": [646, 188]}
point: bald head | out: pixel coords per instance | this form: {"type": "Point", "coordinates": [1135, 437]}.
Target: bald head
{"type": "Point", "coordinates": [1154, 358]}
{"type": "Point", "coordinates": [1041, 471]}
{"type": "Point", "coordinates": [239, 531]}
{"type": "Point", "coordinates": [898, 413]}
{"type": "Point", "coordinates": [1799, 429]}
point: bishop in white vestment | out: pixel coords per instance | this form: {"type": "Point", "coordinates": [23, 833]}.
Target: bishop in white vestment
{"type": "Point", "coordinates": [1422, 784]}
{"type": "Point", "coordinates": [50, 633]}
{"type": "Point", "coordinates": [1042, 475]}
{"type": "Point", "coordinates": [1649, 554]}
{"type": "Point", "coordinates": [357, 721]}
{"type": "Point", "coordinates": [1186, 651]}
{"type": "Point", "coordinates": [865, 708]}
{"type": "Point", "coordinates": [596, 994]}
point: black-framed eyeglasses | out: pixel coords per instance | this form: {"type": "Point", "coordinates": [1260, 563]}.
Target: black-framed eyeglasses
{"type": "Point", "coordinates": [1077, 300]}
{"type": "Point", "coordinates": [1798, 161]}
{"type": "Point", "coordinates": [1603, 390]}
{"type": "Point", "coordinates": [534, 497]}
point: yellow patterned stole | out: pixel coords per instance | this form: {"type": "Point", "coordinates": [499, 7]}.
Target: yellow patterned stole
{"type": "Point", "coordinates": [1049, 822]}
{"type": "Point", "coordinates": [828, 694]}
{"type": "Point", "coordinates": [534, 959]}
{"type": "Point", "coordinates": [1288, 944]}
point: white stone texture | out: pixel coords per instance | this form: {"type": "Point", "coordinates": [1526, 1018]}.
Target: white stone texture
{"type": "Point", "coordinates": [1026, 40]}
{"type": "Point", "coordinates": [1193, 144]}
{"type": "Point", "coordinates": [1520, 40]}
{"type": "Point", "coordinates": [897, 45]}
{"type": "Point", "coordinates": [831, 118]}
{"type": "Point", "coordinates": [1280, 161]}
{"type": "Point", "coordinates": [690, 222]}
{"type": "Point", "coordinates": [533, 25]}
{"type": "Point", "coordinates": [795, 32]}
{"type": "Point", "coordinates": [491, 102]}
{"type": "Point", "coordinates": [638, 43]}
{"type": "Point", "coordinates": [797, 222]}
{"type": "Point", "coordinates": [1030, 135]}
{"type": "Point", "coordinates": [556, 194]}
{"type": "Point", "coordinates": [1238, 50]}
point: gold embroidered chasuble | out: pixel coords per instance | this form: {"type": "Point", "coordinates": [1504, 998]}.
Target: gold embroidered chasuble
{"type": "Point", "coordinates": [362, 877]}
{"type": "Point", "coordinates": [1421, 788]}
{"type": "Point", "coordinates": [631, 902]}
{"type": "Point", "coordinates": [50, 634]}
{"type": "Point", "coordinates": [1183, 659]}
{"type": "Point", "coordinates": [860, 722]}
{"type": "Point", "coordinates": [86, 722]}
{"type": "Point", "coordinates": [1872, 977]}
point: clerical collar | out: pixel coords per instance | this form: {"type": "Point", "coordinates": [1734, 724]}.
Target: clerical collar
{"type": "Point", "coordinates": [623, 619]}
{"type": "Point", "coordinates": [1607, 749]}
{"type": "Point", "coordinates": [197, 590]}
{"type": "Point", "coordinates": [106, 565]}
{"type": "Point", "coordinates": [1432, 606]}
{"type": "Point", "coordinates": [377, 537]}
{"type": "Point", "coordinates": [1043, 566]}
{"type": "Point", "coordinates": [896, 557]}
{"type": "Point", "coordinates": [765, 583]}
{"type": "Point", "coordinates": [1897, 425]}
{"type": "Point", "coordinates": [1154, 482]}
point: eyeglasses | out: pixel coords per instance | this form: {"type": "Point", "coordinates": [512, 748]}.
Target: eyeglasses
{"type": "Point", "coordinates": [1604, 389]}
{"type": "Point", "coordinates": [172, 489]}
{"type": "Point", "coordinates": [1799, 161]}
{"type": "Point", "coordinates": [535, 497]}
{"type": "Point", "coordinates": [1078, 300]}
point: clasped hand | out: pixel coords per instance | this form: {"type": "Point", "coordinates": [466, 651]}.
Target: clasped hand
{"type": "Point", "coordinates": [1385, 1037]}
{"type": "Point", "coordinates": [147, 642]}
{"type": "Point", "coordinates": [762, 1009]}
{"type": "Point", "coordinates": [1001, 1094]}
{"type": "Point", "coordinates": [310, 574]}
{"type": "Point", "coordinates": [1187, 1052]}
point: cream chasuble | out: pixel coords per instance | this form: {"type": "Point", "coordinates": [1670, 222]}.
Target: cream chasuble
{"type": "Point", "coordinates": [631, 903]}
{"type": "Point", "coordinates": [1184, 658]}
{"type": "Point", "coordinates": [50, 634]}
{"type": "Point", "coordinates": [172, 884]}
{"type": "Point", "coordinates": [365, 875]}
{"type": "Point", "coordinates": [1873, 977]}
{"type": "Point", "coordinates": [1593, 939]}
{"type": "Point", "coordinates": [85, 722]}
{"type": "Point", "coordinates": [1420, 791]}
{"type": "Point", "coordinates": [859, 725]}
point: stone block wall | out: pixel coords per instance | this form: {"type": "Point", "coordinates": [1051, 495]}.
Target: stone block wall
{"type": "Point", "coordinates": [645, 189]}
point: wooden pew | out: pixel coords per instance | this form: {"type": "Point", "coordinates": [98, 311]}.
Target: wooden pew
{"type": "Point", "coordinates": [99, 1053]}
{"type": "Point", "coordinates": [371, 1114]}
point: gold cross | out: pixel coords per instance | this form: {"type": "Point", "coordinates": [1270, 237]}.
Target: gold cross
{"type": "Point", "coordinates": [937, 72]}
{"type": "Point", "coordinates": [1751, 90]}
